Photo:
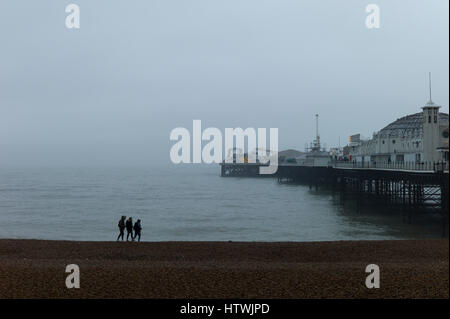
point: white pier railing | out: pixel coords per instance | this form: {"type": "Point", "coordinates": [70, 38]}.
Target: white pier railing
{"type": "Point", "coordinates": [406, 166]}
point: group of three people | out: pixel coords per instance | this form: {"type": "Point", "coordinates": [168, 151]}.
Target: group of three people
{"type": "Point", "coordinates": [128, 225]}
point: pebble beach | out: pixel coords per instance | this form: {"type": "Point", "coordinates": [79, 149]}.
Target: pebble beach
{"type": "Point", "coordinates": [292, 270]}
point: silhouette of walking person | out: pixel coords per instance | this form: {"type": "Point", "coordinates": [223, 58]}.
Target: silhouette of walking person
{"type": "Point", "coordinates": [121, 226]}
{"type": "Point", "coordinates": [137, 229]}
{"type": "Point", "coordinates": [129, 227]}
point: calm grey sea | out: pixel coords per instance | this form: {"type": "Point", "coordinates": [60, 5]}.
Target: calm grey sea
{"type": "Point", "coordinates": [191, 203]}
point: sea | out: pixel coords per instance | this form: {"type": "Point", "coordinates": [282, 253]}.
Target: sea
{"type": "Point", "coordinates": [187, 203]}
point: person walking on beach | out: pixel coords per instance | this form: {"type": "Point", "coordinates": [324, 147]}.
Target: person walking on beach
{"type": "Point", "coordinates": [129, 226]}
{"type": "Point", "coordinates": [121, 226]}
{"type": "Point", "coordinates": [137, 230]}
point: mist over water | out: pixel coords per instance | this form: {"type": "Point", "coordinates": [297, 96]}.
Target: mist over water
{"type": "Point", "coordinates": [185, 203]}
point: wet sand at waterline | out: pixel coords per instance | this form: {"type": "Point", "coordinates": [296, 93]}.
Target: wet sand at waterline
{"type": "Point", "coordinates": [409, 269]}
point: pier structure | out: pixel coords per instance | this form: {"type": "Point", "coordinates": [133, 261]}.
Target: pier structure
{"type": "Point", "coordinates": [406, 188]}
{"type": "Point", "coordinates": [404, 166]}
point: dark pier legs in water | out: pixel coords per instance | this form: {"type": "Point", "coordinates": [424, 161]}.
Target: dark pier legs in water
{"type": "Point", "coordinates": [407, 193]}
{"type": "Point", "coordinates": [399, 190]}
{"type": "Point", "coordinates": [444, 204]}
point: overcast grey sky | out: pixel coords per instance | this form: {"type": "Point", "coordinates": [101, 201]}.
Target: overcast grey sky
{"type": "Point", "coordinates": [111, 92]}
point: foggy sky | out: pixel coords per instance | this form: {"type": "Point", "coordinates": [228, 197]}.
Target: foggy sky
{"type": "Point", "coordinates": [111, 92]}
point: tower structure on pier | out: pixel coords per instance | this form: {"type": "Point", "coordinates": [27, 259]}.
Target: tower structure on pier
{"type": "Point", "coordinates": [316, 143]}
{"type": "Point", "coordinates": [431, 136]}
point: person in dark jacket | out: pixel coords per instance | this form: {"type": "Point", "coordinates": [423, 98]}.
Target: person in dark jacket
{"type": "Point", "coordinates": [137, 229]}
{"type": "Point", "coordinates": [129, 227]}
{"type": "Point", "coordinates": [121, 226]}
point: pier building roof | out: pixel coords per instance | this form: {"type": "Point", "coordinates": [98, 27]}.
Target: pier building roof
{"type": "Point", "coordinates": [410, 125]}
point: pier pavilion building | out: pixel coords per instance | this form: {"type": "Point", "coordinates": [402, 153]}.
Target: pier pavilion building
{"type": "Point", "coordinates": [420, 137]}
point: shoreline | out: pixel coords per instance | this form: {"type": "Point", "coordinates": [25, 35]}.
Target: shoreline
{"type": "Point", "coordinates": [31, 268]}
